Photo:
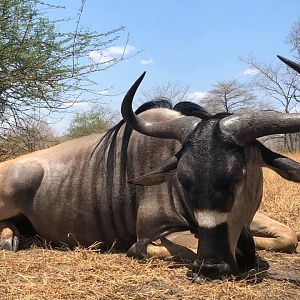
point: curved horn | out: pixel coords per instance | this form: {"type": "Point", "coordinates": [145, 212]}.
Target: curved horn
{"type": "Point", "coordinates": [171, 129]}
{"type": "Point", "coordinates": [290, 63]}
{"type": "Point", "coordinates": [247, 127]}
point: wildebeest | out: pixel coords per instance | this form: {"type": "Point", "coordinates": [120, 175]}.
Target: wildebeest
{"type": "Point", "coordinates": [195, 181]}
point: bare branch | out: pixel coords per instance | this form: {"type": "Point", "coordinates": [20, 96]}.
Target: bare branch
{"type": "Point", "coordinates": [229, 96]}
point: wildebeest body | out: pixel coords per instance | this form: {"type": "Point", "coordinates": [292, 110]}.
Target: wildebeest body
{"type": "Point", "coordinates": [202, 175]}
{"type": "Point", "coordinates": [71, 195]}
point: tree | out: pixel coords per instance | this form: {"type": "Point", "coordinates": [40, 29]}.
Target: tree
{"type": "Point", "coordinates": [26, 135]}
{"type": "Point", "coordinates": [293, 39]}
{"type": "Point", "coordinates": [96, 120]}
{"type": "Point", "coordinates": [43, 68]}
{"type": "Point", "coordinates": [229, 96]}
{"type": "Point", "coordinates": [280, 84]}
{"type": "Point", "coordinates": [172, 91]}
{"type": "Point", "coordinates": [277, 82]}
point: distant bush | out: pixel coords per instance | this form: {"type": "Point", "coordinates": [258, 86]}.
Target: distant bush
{"type": "Point", "coordinates": [96, 120]}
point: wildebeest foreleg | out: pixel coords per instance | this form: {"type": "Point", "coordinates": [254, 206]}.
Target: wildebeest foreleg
{"type": "Point", "coordinates": [139, 249]}
{"type": "Point", "coordinates": [179, 246]}
{"type": "Point", "coordinates": [272, 235]}
{"type": "Point", "coordinates": [9, 236]}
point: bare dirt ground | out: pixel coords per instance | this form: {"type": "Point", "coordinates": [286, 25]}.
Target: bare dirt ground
{"type": "Point", "coordinates": [41, 273]}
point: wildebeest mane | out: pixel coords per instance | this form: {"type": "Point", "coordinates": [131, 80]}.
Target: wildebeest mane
{"type": "Point", "coordinates": [105, 150]}
{"type": "Point", "coordinates": [192, 109]}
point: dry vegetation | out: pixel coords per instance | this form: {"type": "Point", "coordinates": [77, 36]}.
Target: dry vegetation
{"type": "Point", "coordinates": [41, 273]}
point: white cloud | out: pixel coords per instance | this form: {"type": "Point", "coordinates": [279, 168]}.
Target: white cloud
{"type": "Point", "coordinates": [76, 103]}
{"type": "Point", "coordinates": [120, 50]}
{"type": "Point", "coordinates": [103, 92]}
{"type": "Point", "coordinates": [250, 72]}
{"type": "Point", "coordinates": [111, 54]}
{"type": "Point", "coordinates": [197, 95]}
{"type": "Point", "coordinates": [82, 105]}
{"type": "Point", "coordinates": [101, 57]}
{"type": "Point", "coordinates": [146, 61]}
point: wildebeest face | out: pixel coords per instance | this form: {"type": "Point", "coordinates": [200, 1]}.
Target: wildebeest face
{"type": "Point", "coordinates": [211, 171]}
{"type": "Point", "coordinates": [210, 168]}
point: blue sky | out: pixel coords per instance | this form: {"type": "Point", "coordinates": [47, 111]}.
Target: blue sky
{"type": "Point", "coordinates": [195, 43]}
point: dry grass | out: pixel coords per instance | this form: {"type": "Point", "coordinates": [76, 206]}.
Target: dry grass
{"type": "Point", "coordinates": [40, 273]}
{"type": "Point", "coordinates": [281, 198]}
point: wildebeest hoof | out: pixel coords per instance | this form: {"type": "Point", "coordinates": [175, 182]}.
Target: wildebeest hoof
{"type": "Point", "coordinates": [9, 236]}
{"type": "Point", "coordinates": [132, 252]}
{"type": "Point", "coordinates": [257, 273]}
{"type": "Point", "coordinates": [261, 264]}
{"type": "Point", "coordinates": [10, 244]}
{"type": "Point", "coordinates": [139, 249]}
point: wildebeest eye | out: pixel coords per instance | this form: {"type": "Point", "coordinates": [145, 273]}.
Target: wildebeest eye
{"type": "Point", "coordinates": [185, 180]}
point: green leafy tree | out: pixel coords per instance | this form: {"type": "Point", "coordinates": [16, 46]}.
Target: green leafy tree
{"type": "Point", "coordinates": [41, 68]}
{"type": "Point", "coordinates": [96, 120]}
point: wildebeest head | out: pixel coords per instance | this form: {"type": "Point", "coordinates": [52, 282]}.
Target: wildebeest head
{"type": "Point", "coordinates": [213, 170]}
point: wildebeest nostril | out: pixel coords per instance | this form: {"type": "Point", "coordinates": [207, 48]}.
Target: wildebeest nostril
{"type": "Point", "coordinates": [209, 269]}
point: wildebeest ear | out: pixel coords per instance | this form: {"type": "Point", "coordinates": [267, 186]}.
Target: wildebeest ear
{"type": "Point", "coordinates": [159, 174]}
{"type": "Point", "coordinates": [284, 166]}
